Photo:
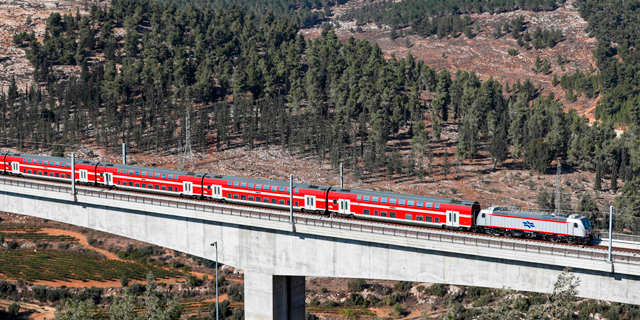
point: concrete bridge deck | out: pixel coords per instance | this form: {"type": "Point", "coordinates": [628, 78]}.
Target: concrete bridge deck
{"type": "Point", "coordinates": [276, 256]}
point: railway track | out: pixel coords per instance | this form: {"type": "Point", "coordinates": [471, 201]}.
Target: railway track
{"type": "Point", "coordinates": [335, 218]}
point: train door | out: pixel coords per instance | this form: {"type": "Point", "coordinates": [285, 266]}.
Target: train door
{"type": "Point", "coordinates": [309, 202]}
{"type": "Point", "coordinates": [84, 176]}
{"type": "Point", "coordinates": [15, 167]}
{"type": "Point", "coordinates": [344, 206]}
{"type": "Point", "coordinates": [187, 188]}
{"type": "Point", "coordinates": [108, 178]}
{"type": "Point", "coordinates": [216, 192]}
{"type": "Point", "coordinates": [453, 218]}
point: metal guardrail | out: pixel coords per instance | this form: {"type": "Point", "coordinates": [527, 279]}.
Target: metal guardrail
{"type": "Point", "coordinates": [341, 225]}
{"type": "Point", "coordinates": [626, 237]}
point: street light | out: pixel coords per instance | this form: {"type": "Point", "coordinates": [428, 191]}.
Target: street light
{"type": "Point", "coordinates": [215, 244]}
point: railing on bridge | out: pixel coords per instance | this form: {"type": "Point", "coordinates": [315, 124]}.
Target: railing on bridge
{"type": "Point", "coordinates": [566, 251]}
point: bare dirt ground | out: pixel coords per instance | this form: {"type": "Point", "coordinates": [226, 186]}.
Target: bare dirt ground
{"type": "Point", "coordinates": [488, 56]}
{"type": "Point", "coordinates": [13, 17]}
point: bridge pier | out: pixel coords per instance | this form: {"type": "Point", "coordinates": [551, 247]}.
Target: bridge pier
{"type": "Point", "coordinates": [273, 297]}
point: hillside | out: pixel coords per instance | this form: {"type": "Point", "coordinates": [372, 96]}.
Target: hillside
{"type": "Point", "coordinates": [485, 54]}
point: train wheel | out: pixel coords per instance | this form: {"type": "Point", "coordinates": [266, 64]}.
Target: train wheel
{"type": "Point", "coordinates": [508, 233]}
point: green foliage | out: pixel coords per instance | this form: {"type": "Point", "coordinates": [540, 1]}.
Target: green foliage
{"type": "Point", "coordinates": [357, 285]}
{"type": "Point", "coordinates": [513, 52]}
{"type": "Point", "coordinates": [236, 292]}
{"type": "Point", "coordinates": [437, 289]}
{"type": "Point", "coordinates": [402, 286]}
{"type": "Point", "coordinates": [14, 310]}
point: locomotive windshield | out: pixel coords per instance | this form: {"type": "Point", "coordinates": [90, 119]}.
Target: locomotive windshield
{"type": "Point", "coordinates": [586, 223]}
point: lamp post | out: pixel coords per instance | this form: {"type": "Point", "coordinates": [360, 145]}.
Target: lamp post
{"type": "Point", "coordinates": [215, 244]}
{"type": "Point", "coordinates": [610, 232]}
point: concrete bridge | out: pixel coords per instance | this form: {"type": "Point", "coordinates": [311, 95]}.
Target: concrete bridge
{"type": "Point", "coordinates": [276, 255]}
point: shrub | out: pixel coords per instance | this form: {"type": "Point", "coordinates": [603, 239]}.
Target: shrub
{"type": "Point", "coordinates": [136, 289]}
{"type": "Point", "coordinates": [6, 289]}
{"type": "Point", "coordinates": [238, 314]}
{"type": "Point", "coordinates": [482, 301]}
{"type": "Point", "coordinates": [476, 292]}
{"type": "Point", "coordinates": [402, 286]}
{"type": "Point", "coordinates": [398, 310]}
{"type": "Point", "coordinates": [437, 289]}
{"type": "Point", "coordinates": [381, 290]}
{"type": "Point", "coordinates": [513, 52]}
{"type": "Point", "coordinates": [193, 281]}
{"type": "Point", "coordinates": [355, 300]}
{"type": "Point", "coordinates": [94, 294]}
{"type": "Point", "coordinates": [14, 310]}
{"type": "Point", "coordinates": [222, 281]}
{"type": "Point", "coordinates": [224, 309]}
{"type": "Point", "coordinates": [324, 290]}
{"type": "Point", "coordinates": [420, 288]}
{"type": "Point", "coordinates": [235, 293]}
{"type": "Point", "coordinates": [63, 246]}
{"type": "Point", "coordinates": [331, 304]}
{"type": "Point", "coordinates": [12, 245]}
{"type": "Point", "coordinates": [314, 302]}
{"type": "Point", "coordinates": [124, 281]}
{"type": "Point", "coordinates": [357, 285]}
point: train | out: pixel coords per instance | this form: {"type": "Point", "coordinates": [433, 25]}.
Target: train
{"type": "Point", "coordinates": [389, 207]}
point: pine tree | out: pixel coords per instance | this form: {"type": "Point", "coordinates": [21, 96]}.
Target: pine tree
{"type": "Point", "coordinates": [446, 164]}
{"type": "Point", "coordinates": [614, 177]}
{"type": "Point", "coordinates": [597, 185]}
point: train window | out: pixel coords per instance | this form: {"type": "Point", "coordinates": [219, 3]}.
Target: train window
{"type": "Point", "coordinates": [392, 201]}
{"type": "Point", "coordinates": [483, 215]}
{"type": "Point", "coordinates": [150, 186]}
{"type": "Point", "coordinates": [229, 183]}
{"type": "Point", "coordinates": [274, 201]}
{"type": "Point", "coordinates": [101, 174]}
{"type": "Point", "coordinates": [274, 188]}
{"type": "Point", "coordinates": [57, 175]}
{"type": "Point", "coordinates": [295, 203]}
{"type": "Point", "coordinates": [289, 202]}
{"type": "Point", "coordinates": [410, 203]}
{"type": "Point", "coordinates": [365, 211]}
{"type": "Point", "coordinates": [137, 173]}
{"type": "Point", "coordinates": [175, 177]}
{"type": "Point", "coordinates": [392, 214]}
{"type": "Point", "coordinates": [575, 225]}
{"type": "Point", "coordinates": [375, 212]}
{"type": "Point", "coordinates": [209, 187]}
{"type": "Point", "coordinates": [250, 198]}
{"type": "Point", "coordinates": [24, 170]}
{"type": "Point", "coordinates": [45, 173]}
{"type": "Point", "coordinates": [243, 185]}
{"type": "Point", "coordinates": [250, 186]}
{"type": "Point", "coordinates": [50, 174]}
{"type": "Point", "coordinates": [130, 184]}
{"type": "Point", "coordinates": [164, 188]}
{"type": "Point", "coordinates": [401, 202]}
{"type": "Point", "coordinates": [281, 189]}
{"type": "Point", "coordinates": [235, 196]}
{"type": "Point", "coordinates": [68, 176]}
{"type": "Point", "coordinates": [39, 161]}
{"type": "Point", "coordinates": [295, 191]}
{"type": "Point", "coordinates": [428, 219]}
{"type": "Point", "coordinates": [408, 216]}
{"type": "Point", "coordinates": [428, 205]}
{"type": "Point", "coordinates": [68, 165]}
{"type": "Point", "coordinates": [243, 197]}
{"type": "Point", "coordinates": [366, 199]}
{"type": "Point", "coordinates": [383, 213]}
{"type": "Point", "coordinates": [437, 220]}
{"type": "Point", "coordinates": [418, 218]}
{"type": "Point", "coordinates": [118, 170]}
{"type": "Point", "coordinates": [383, 200]}
{"type": "Point", "coordinates": [29, 171]}
{"type": "Point", "coordinates": [170, 188]}
{"type": "Point", "coordinates": [157, 175]}
{"type": "Point", "coordinates": [164, 176]}
{"type": "Point", "coordinates": [170, 177]}
{"type": "Point", "coordinates": [137, 185]}
{"type": "Point", "coordinates": [335, 201]}
{"type": "Point", "coordinates": [359, 197]}
{"type": "Point", "coordinates": [44, 163]}
{"type": "Point", "coordinates": [258, 199]}
{"type": "Point", "coordinates": [143, 174]}
{"type": "Point", "coordinates": [156, 187]}
{"type": "Point", "coordinates": [374, 199]}
{"type": "Point", "coordinates": [437, 206]}
{"type": "Point", "coordinates": [281, 202]}
{"type": "Point", "coordinates": [235, 184]}
{"type": "Point", "coordinates": [118, 182]}
{"type": "Point", "coordinates": [144, 185]}
{"type": "Point", "coordinates": [265, 200]}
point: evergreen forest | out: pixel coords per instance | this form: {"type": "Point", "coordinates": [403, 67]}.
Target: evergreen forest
{"type": "Point", "coordinates": [245, 77]}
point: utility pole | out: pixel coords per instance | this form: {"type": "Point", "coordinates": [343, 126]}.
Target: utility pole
{"type": "Point", "coordinates": [215, 244]}
{"type": "Point", "coordinates": [291, 198]}
{"type": "Point", "coordinates": [188, 153]}
{"type": "Point", "coordinates": [124, 153]}
{"type": "Point", "coordinates": [610, 232]}
{"type": "Point", "coordinates": [558, 186]}
{"type": "Point", "coordinates": [73, 173]}
{"type": "Point", "coordinates": [341, 176]}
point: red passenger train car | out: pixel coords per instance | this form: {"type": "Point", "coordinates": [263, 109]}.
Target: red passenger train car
{"type": "Point", "coordinates": [403, 208]}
